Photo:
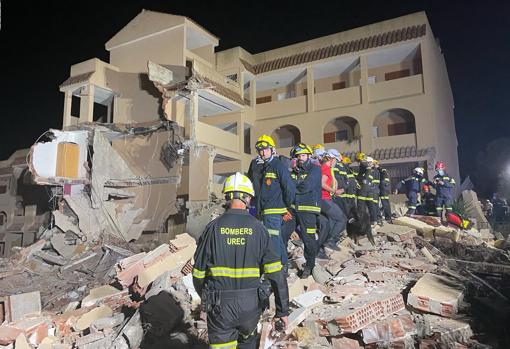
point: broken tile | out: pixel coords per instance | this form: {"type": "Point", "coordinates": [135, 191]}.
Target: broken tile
{"type": "Point", "coordinates": [309, 299]}
{"type": "Point", "coordinates": [20, 305]}
{"type": "Point", "coordinates": [87, 319]}
{"type": "Point", "coordinates": [100, 293]}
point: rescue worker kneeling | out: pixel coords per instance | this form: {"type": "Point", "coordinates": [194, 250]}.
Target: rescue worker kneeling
{"type": "Point", "coordinates": [231, 254]}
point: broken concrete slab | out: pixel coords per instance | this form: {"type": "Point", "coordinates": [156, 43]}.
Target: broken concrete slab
{"type": "Point", "coordinates": [101, 293]}
{"type": "Point", "coordinates": [309, 299]}
{"type": "Point", "coordinates": [396, 232]}
{"type": "Point", "coordinates": [389, 330]}
{"type": "Point", "coordinates": [436, 294]}
{"type": "Point", "coordinates": [108, 322]}
{"type": "Point", "coordinates": [424, 229]}
{"type": "Point", "coordinates": [22, 342]}
{"type": "Point", "coordinates": [58, 242]}
{"type": "Point", "coordinates": [473, 207]}
{"type": "Point", "coordinates": [17, 307]}
{"type": "Point", "coordinates": [65, 223]}
{"type": "Point", "coordinates": [88, 318]}
{"type": "Point", "coordinates": [8, 334]}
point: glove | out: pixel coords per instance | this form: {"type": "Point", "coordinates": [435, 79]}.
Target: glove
{"type": "Point", "coordinates": [287, 216]}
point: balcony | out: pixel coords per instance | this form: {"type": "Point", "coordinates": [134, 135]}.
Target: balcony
{"type": "Point", "coordinates": [345, 146]}
{"type": "Point", "coordinates": [338, 98]}
{"type": "Point", "coordinates": [211, 135]}
{"type": "Point", "coordinates": [291, 106]}
{"type": "Point", "coordinates": [387, 142]}
{"type": "Point", "coordinates": [403, 87]}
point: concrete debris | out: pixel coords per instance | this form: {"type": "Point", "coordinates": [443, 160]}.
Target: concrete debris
{"type": "Point", "coordinates": [86, 288]}
{"type": "Point", "coordinates": [436, 294]}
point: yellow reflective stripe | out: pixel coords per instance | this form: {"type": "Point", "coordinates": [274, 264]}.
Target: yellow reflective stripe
{"type": "Point", "coordinates": [199, 274]}
{"type": "Point", "coordinates": [239, 187]}
{"type": "Point", "coordinates": [274, 232]}
{"type": "Point", "coordinates": [411, 206]}
{"type": "Point", "coordinates": [350, 175]}
{"type": "Point", "coordinates": [229, 345]}
{"type": "Point", "coordinates": [274, 211]}
{"type": "Point", "coordinates": [308, 208]}
{"type": "Point", "coordinates": [364, 198]}
{"type": "Point", "coordinates": [347, 195]}
{"type": "Point", "coordinates": [311, 230]}
{"type": "Point", "coordinates": [384, 197]}
{"type": "Point", "coordinates": [386, 179]}
{"type": "Point", "coordinates": [439, 208]}
{"type": "Point", "coordinates": [376, 181]}
{"type": "Point", "coordinates": [235, 273]}
{"type": "Point", "coordinates": [270, 175]}
{"type": "Point", "coordinates": [375, 200]}
{"type": "Point", "coordinates": [273, 267]}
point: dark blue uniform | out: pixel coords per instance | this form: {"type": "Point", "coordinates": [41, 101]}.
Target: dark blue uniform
{"type": "Point", "coordinates": [307, 207]}
{"type": "Point", "coordinates": [412, 187]}
{"type": "Point", "coordinates": [444, 192]}
{"type": "Point", "coordinates": [385, 190]}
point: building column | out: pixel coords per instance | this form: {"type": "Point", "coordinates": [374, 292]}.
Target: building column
{"type": "Point", "coordinates": [191, 123]}
{"type": "Point", "coordinates": [363, 61]}
{"type": "Point", "coordinates": [310, 86]}
{"type": "Point", "coordinates": [87, 104]}
{"type": "Point", "coordinates": [201, 158]}
{"type": "Point", "coordinates": [240, 133]}
{"type": "Point", "coordinates": [240, 81]}
{"type": "Point", "coordinates": [68, 101]}
{"type": "Point", "coordinates": [253, 93]}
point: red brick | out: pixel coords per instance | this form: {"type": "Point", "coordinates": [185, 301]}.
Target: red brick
{"type": "Point", "coordinates": [344, 343]}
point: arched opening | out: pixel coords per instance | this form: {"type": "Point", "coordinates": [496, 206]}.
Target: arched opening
{"type": "Point", "coordinates": [342, 129]}
{"type": "Point", "coordinates": [394, 122]}
{"type": "Point", "coordinates": [286, 136]}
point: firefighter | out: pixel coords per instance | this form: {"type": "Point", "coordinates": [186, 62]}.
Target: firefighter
{"type": "Point", "coordinates": [307, 178]}
{"type": "Point", "coordinates": [318, 152]}
{"type": "Point", "coordinates": [373, 203]}
{"type": "Point", "coordinates": [277, 191]}
{"type": "Point", "coordinates": [385, 190]}
{"type": "Point", "coordinates": [444, 185]}
{"type": "Point", "coordinates": [412, 186]}
{"type": "Point", "coordinates": [348, 197]}
{"type": "Point", "coordinates": [337, 219]}
{"type": "Point", "coordinates": [364, 179]}
{"type": "Point", "coordinates": [340, 173]}
{"type": "Point", "coordinates": [231, 254]}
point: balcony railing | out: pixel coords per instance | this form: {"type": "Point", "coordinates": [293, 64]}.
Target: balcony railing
{"type": "Point", "coordinates": [408, 139]}
{"type": "Point", "coordinates": [296, 105]}
{"type": "Point", "coordinates": [403, 87]}
{"type": "Point", "coordinates": [338, 98]}
{"type": "Point", "coordinates": [207, 134]}
{"type": "Point", "coordinates": [345, 146]}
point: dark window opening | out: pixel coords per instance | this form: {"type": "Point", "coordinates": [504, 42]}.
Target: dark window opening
{"type": "Point", "coordinates": [339, 85]}
{"type": "Point", "coordinates": [266, 99]}
{"type": "Point", "coordinates": [247, 140]}
{"type": "Point", "coordinates": [75, 106]}
{"type": "Point", "coordinates": [100, 113]}
{"type": "Point", "coordinates": [400, 129]}
{"type": "Point", "coordinates": [397, 74]}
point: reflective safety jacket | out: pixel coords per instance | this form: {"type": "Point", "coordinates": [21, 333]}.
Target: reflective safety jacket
{"type": "Point", "coordinates": [374, 185]}
{"type": "Point", "coordinates": [385, 184]}
{"type": "Point", "coordinates": [308, 187]}
{"type": "Point", "coordinates": [352, 184]}
{"type": "Point", "coordinates": [346, 180]}
{"type": "Point", "coordinates": [364, 179]}
{"type": "Point", "coordinates": [412, 184]}
{"type": "Point", "coordinates": [445, 189]}
{"type": "Point", "coordinates": [233, 252]}
{"type": "Point", "coordinates": [277, 190]}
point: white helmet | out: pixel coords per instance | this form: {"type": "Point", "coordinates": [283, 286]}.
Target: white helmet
{"type": "Point", "coordinates": [238, 183]}
{"type": "Point", "coordinates": [369, 160]}
{"type": "Point", "coordinates": [419, 170]}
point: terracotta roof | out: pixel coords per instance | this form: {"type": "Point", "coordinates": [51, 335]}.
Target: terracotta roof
{"type": "Point", "coordinates": [383, 39]}
{"type": "Point", "coordinates": [225, 92]}
{"type": "Point", "coordinates": [77, 79]}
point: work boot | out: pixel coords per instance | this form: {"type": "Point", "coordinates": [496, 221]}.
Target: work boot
{"type": "Point", "coordinates": [286, 270]}
{"type": "Point", "coordinates": [322, 254]}
{"type": "Point", "coordinates": [305, 273]}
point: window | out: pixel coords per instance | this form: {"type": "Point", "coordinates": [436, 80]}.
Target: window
{"type": "Point", "coordinates": [286, 95]}
{"type": "Point", "coordinates": [3, 189]}
{"type": "Point", "coordinates": [329, 137]}
{"type": "Point", "coordinates": [75, 106]}
{"type": "Point", "coordinates": [400, 129]}
{"type": "Point", "coordinates": [396, 74]}
{"type": "Point", "coordinates": [338, 85]}
{"type": "Point", "coordinates": [341, 135]}
{"type": "Point", "coordinates": [265, 99]}
{"type": "Point", "coordinates": [371, 80]}
{"type": "Point", "coordinates": [100, 112]}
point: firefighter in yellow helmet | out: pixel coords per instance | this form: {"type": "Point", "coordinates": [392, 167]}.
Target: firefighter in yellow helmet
{"type": "Point", "coordinates": [231, 253]}
{"type": "Point", "coordinates": [274, 189]}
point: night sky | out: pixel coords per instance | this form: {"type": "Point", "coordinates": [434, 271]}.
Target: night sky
{"type": "Point", "coordinates": [40, 40]}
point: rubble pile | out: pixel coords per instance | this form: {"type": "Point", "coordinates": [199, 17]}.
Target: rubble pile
{"type": "Point", "coordinates": [62, 293]}
{"type": "Point", "coordinates": [410, 290]}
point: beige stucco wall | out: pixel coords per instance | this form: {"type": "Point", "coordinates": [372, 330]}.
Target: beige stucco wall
{"type": "Point", "coordinates": [164, 48]}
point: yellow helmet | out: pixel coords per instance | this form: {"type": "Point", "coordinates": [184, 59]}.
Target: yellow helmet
{"type": "Point", "coordinates": [300, 148]}
{"type": "Point", "coordinates": [346, 160]}
{"type": "Point", "coordinates": [265, 141]}
{"type": "Point", "coordinates": [360, 156]}
{"type": "Point", "coordinates": [318, 146]}
{"type": "Point", "coordinates": [238, 183]}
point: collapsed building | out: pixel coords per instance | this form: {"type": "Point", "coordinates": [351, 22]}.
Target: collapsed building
{"type": "Point", "coordinates": [136, 172]}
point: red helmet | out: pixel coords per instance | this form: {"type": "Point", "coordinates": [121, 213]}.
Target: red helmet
{"type": "Point", "coordinates": [426, 187]}
{"type": "Point", "coordinates": [440, 165]}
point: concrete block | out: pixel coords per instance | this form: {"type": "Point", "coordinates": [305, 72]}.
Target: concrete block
{"type": "Point", "coordinates": [108, 322]}
{"type": "Point", "coordinates": [20, 305]}
{"type": "Point", "coordinates": [21, 342]}
{"type": "Point", "coordinates": [47, 343]}
{"type": "Point", "coordinates": [90, 338]}
{"type": "Point", "coordinates": [344, 343]}
{"type": "Point", "coordinates": [309, 299]}
{"type": "Point", "coordinates": [436, 294]}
